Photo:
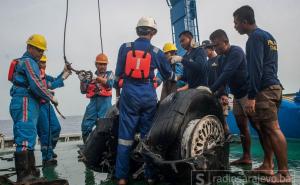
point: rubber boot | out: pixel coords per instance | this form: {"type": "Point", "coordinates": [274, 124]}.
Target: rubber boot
{"type": "Point", "coordinates": [84, 138]}
{"type": "Point", "coordinates": [54, 155]}
{"type": "Point", "coordinates": [50, 162]}
{"type": "Point", "coordinates": [22, 167]}
{"type": "Point", "coordinates": [31, 161]}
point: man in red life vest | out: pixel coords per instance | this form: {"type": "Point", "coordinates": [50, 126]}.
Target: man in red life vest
{"type": "Point", "coordinates": [99, 91]}
{"type": "Point", "coordinates": [136, 64]}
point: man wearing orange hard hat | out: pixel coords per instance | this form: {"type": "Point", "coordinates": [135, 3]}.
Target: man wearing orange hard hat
{"type": "Point", "coordinates": [99, 91]}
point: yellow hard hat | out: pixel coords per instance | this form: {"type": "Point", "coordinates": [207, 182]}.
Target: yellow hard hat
{"type": "Point", "coordinates": [38, 41]}
{"type": "Point", "coordinates": [169, 47]}
{"type": "Point", "coordinates": [44, 59]}
{"type": "Point", "coordinates": [101, 59]}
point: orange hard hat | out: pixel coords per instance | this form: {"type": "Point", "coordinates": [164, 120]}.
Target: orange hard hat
{"type": "Point", "coordinates": [101, 59]}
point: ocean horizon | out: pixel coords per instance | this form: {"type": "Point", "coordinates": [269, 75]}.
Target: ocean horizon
{"type": "Point", "coordinates": [70, 125]}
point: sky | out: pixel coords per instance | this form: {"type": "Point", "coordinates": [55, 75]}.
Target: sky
{"type": "Point", "coordinates": [19, 19]}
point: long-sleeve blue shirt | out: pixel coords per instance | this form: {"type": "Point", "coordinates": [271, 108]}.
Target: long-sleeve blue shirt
{"type": "Point", "coordinates": [53, 83]}
{"type": "Point", "coordinates": [213, 70]}
{"type": "Point", "coordinates": [158, 60]}
{"type": "Point", "coordinates": [195, 68]}
{"type": "Point", "coordinates": [233, 72]}
{"type": "Point", "coordinates": [27, 81]}
{"type": "Point", "coordinates": [262, 58]}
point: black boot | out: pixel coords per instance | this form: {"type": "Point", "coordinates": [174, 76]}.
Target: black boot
{"type": "Point", "coordinates": [50, 162]}
{"type": "Point", "coordinates": [84, 138]}
{"type": "Point", "coordinates": [54, 155]}
{"type": "Point", "coordinates": [31, 161]}
{"type": "Point", "coordinates": [22, 167]}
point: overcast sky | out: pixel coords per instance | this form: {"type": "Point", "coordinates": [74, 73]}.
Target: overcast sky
{"type": "Point", "coordinates": [19, 19]}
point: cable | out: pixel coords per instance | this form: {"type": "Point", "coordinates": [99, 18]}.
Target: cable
{"type": "Point", "coordinates": [100, 27]}
{"type": "Point", "coordinates": [65, 29]}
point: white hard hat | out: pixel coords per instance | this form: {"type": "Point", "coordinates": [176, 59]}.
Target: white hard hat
{"type": "Point", "coordinates": [148, 22]}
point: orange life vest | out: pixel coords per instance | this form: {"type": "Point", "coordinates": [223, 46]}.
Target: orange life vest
{"type": "Point", "coordinates": [94, 88]}
{"type": "Point", "coordinates": [137, 64]}
{"type": "Point", "coordinates": [12, 68]}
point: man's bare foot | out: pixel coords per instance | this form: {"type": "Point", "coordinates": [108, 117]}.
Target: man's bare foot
{"type": "Point", "coordinates": [241, 161]}
{"type": "Point", "coordinates": [263, 170]}
{"type": "Point", "coordinates": [122, 182]}
{"type": "Point", "coordinates": [277, 179]}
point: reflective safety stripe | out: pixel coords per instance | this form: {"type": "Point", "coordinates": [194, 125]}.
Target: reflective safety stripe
{"type": "Point", "coordinates": [125, 142]}
{"type": "Point", "coordinates": [138, 63]}
{"type": "Point", "coordinates": [25, 109]}
{"type": "Point", "coordinates": [24, 145]}
{"type": "Point", "coordinates": [128, 44]}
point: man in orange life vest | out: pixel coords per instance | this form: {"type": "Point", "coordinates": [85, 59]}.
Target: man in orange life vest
{"type": "Point", "coordinates": [99, 90]}
{"type": "Point", "coordinates": [48, 127]}
{"type": "Point", "coordinates": [26, 92]}
{"type": "Point", "coordinates": [136, 63]}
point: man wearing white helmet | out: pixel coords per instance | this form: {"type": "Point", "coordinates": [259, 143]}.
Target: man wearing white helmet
{"type": "Point", "coordinates": [136, 64]}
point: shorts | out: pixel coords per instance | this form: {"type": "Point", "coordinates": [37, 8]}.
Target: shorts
{"type": "Point", "coordinates": [239, 106]}
{"type": "Point", "coordinates": [267, 104]}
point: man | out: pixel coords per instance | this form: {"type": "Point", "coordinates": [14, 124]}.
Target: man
{"type": "Point", "coordinates": [26, 92]}
{"type": "Point", "coordinates": [136, 64]}
{"type": "Point", "coordinates": [264, 93]}
{"type": "Point", "coordinates": [48, 126]}
{"type": "Point", "coordinates": [169, 87]}
{"type": "Point", "coordinates": [213, 71]}
{"type": "Point", "coordinates": [99, 91]}
{"type": "Point", "coordinates": [193, 61]}
{"type": "Point", "coordinates": [234, 73]}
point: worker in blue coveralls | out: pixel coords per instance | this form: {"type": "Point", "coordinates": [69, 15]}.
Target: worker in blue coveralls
{"type": "Point", "coordinates": [264, 94]}
{"type": "Point", "coordinates": [168, 86]}
{"type": "Point", "coordinates": [194, 62]}
{"type": "Point", "coordinates": [26, 92]}
{"type": "Point", "coordinates": [99, 91]}
{"type": "Point", "coordinates": [48, 126]}
{"type": "Point", "coordinates": [136, 64]}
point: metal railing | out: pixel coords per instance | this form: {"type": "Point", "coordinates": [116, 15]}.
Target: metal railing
{"type": "Point", "coordinates": [8, 142]}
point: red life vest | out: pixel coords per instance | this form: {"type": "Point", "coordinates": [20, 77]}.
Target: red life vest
{"type": "Point", "coordinates": [12, 68]}
{"type": "Point", "coordinates": [137, 64]}
{"type": "Point", "coordinates": [94, 88]}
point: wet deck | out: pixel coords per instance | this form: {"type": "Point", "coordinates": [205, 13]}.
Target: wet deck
{"type": "Point", "coordinates": [77, 174]}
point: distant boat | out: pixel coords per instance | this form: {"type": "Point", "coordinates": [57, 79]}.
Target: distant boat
{"type": "Point", "coordinates": [289, 117]}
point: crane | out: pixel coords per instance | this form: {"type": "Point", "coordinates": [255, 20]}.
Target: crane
{"type": "Point", "coordinates": [183, 17]}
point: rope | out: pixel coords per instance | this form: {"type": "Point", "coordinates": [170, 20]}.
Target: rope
{"type": "Point", "coordinates": [65, 29]}
{"type": "Point", "coordinates": [100, 27]}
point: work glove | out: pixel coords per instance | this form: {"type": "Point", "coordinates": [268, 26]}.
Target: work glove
{"type": "Point", "coordinates": [66, 73]}
{"type": "Point", "coordinates": [81, 75]}
{"type": "Point", "coordinates": [54, 101]}
{"type": "Point", "coordinates": [101, 80]}
{"type": "Point", "coordinates": [88, 75]}
{"type": "Point", "coordinates": [176, 59]}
